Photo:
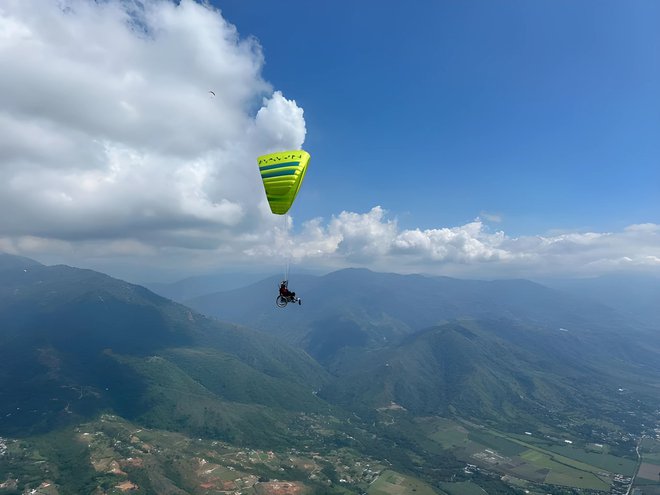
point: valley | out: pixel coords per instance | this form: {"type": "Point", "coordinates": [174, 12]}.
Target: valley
{"type": "Point", "coordinates": [113, 456]}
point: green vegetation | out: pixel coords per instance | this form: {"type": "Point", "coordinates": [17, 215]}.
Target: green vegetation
{"type": "Point", "coordinates": [651, 450]}
{"type": "Point", "coordinates": [499, 443]}
{"type": "Point", "coordinates": [463, 488]}
{"type": "Point", "coordinates": [393, 483]}
{"type": "Point", "coordinates": [449, 434]}
{"type": "Point", "coordinates": [565, 471]}
{"type": "Point", "coordinates": [103, 383]}
{"type": "Point", "coordinates": [613, 464]}
{"type": "Point", "coordinates": [537, 460]}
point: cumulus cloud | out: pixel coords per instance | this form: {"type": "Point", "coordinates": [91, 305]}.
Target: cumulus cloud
{"type": "Point", "coordinates": [108, 129]}
{"type": "Point", "coordinates": [372, 239]}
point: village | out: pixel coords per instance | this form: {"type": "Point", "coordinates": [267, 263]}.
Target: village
{"type": "Point", "coordinates": [128, 459]}
{"type": "Point", "coordinates": [125, 458]}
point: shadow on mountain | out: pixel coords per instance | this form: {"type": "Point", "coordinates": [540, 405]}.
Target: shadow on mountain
{"type": "Point", "coordinates": [77, 343]}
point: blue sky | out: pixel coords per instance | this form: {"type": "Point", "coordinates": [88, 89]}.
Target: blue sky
{"type": "Point", "coordinates": [488, 139]}
{"type": "Point", "coordinates": [546, 114]}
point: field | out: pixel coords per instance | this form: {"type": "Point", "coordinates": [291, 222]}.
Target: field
{"type": "Point", "coordinates": [448, 433]}
{"type": "Point", "coordinates": [463, 488]}
{"type": "Point", "coordinates": [502, 445]}
{"type": "Point", "coordinates": [649, 472]}
{"type": "Point", "coordinates": [393, 483]}
{"type": "Point", "coordinates": [651, 450]}
{"type": "Point", "coordinates": [648, 477]}
{"type": "Point", "coordinates": [607, 462]}
{"type": "Point", "coordinates": [533, 459]}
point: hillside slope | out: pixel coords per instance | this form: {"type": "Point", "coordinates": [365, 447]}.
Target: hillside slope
{"type": "Point", "coordinates": [502, 372]}
{"type": "Point", "coordinates": [76, 342]}
{"type": "Point", "coordinates": [510, 351]}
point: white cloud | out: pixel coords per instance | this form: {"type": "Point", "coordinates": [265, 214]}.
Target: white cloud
{"type": "Point", "coordinates": [491, 217]}
{"type": "Point", "coordinates": [108, 129]}
{"type": "Point", "coordinates": [373, 240]}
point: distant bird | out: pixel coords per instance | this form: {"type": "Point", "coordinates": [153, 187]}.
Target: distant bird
{"type": "Point", "coordinates": [212, 92]}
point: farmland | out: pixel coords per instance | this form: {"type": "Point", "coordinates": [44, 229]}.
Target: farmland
{"type": "Point", "coordinates": [393, 483]}
{"type": "Point", "coordinates": [112, 456]}
{"type": "Point", "coordinates": [535, 460]}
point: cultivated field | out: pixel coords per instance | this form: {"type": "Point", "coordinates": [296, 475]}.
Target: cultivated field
{"type": "Point", "coordinates": [393, 483]}
{"type": "Point", "coordinates": [534, 459]}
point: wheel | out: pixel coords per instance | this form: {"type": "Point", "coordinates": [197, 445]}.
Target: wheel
{"type": "Point", "coordinates": [281, 301]}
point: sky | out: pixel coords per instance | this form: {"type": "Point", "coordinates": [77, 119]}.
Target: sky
{"type": "Point", "coordinates": [480, 139]}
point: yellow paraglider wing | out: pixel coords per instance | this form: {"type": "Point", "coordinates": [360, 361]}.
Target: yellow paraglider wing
{"type": "Point", "coordinates": [283, 173]}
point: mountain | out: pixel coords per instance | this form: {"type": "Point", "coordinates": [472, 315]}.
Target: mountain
{"type": "Point", "coordinates": [506, 351]}
{"type": "Point", "coordinates": [191, 287]}
{"type": "Point", "coordinates": [360, 309]}
{"type": "Point", "coordinates": [201, 285]}
{"type": "Point", "coordinates": [502, 372]}
{"type": "Point", "coordinates": [76, 342]}
{"type": "Point", "coordinates": [400, 371]}
{"type": "Point", "coordinates": [9, 262]}
{"type": "Point", "coordinates": [635, 296]}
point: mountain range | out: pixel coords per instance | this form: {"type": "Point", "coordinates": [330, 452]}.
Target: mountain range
{"type": "Point", "coordinates": [637, 297]}
{"type": "Point", "coordinates": [512, 354]}
{"type": "Point", "coordinates": [371, 309]}
{"type": "Point", "coordinates": [76, 342]}
{"type": "Point", "coordinates": [503, 350]}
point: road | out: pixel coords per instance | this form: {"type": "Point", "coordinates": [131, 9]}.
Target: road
{"type": "Point", "coordinates": [639, 463]}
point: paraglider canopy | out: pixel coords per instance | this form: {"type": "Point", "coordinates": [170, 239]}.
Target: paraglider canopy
{"type": "Point", "coordinates": [283, 173]}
